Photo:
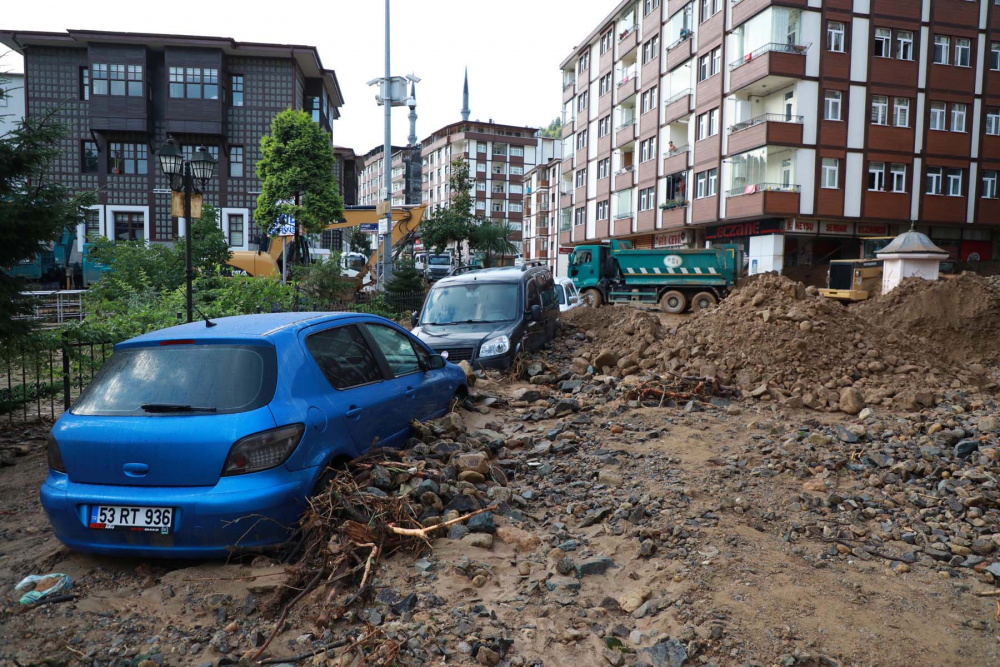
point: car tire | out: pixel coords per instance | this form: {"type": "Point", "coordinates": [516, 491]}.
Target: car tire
{"type": "Point", "coordinates": [593, 298]}
{"type": "Point", "coordinates": [673, 302]}
{"type": "Point", "coordinates": [703, 301]}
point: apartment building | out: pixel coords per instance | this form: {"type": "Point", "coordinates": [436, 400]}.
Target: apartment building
{"type": "Point", "coordinates": [122, 94]}
{"type": "Point", "coordinates": [11, 101]}
{"type": "Point", "coordinates": [498, 156]}
{"type": "Point", "coordinates": [406, 170]}
{"type": "Point", "coordinates": [541, 212]}
{"type": "Point", "coordinates": [791, 128]}
{"type": "Point", "coordinates": [348, 173]}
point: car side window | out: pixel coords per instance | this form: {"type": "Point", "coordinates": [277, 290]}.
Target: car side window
{"type": "Point", "coordinates": [533, 294]}
{"type": "Point", "coordinates": [547, 287]}
{"type": "Point", "coordinates": [396, 348]}
{"type": "Point", "coordinates": [344, 357]}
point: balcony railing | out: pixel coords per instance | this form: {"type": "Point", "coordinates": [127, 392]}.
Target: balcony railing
{"type": "Point", "coordinates": [685, 36]}
{"type": "Point", "coordinates": [625, 123]}
{"type": "Point", "coordinates": [677, 97]}
{"type": "Point", "coordinates": [766, 118]}
{"type": "Point", "coordinates": [679, 202]}
{"type": "Point", "coordinates": [768, 48]}
{"type": "Point", "coordinates": [761, 187]}
{"type": "Point", "coordinates": [628, 31]}
{"type": "Point", "coordinates": [569, 84]}
{"type": "Point", "coordinates": [565, 189]}
{"type": "Point", "coordinates": [622, 216]}
{"type": "Point", "coordinates": [676, 151]}
{"type": "Point", "coordinates": [625, 170]}
{"type": "Point", "coordinates": [626, 77]}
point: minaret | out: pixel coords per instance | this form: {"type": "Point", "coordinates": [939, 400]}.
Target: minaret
{"type": "Point", "coordinates": [412, 103]}
{"type": "Point", "coordinates": [465, 97]}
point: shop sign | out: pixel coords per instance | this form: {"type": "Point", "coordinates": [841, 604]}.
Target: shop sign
{"type": "Point", "coordinates": [668, 240]}
{"type": "Point", "coordinates": [872, 229]}
{"type": "Point", "coordinates": [565, 250]}
{"type": "Point", "coordinates": [794, 226]}
{"type": "Point", "coordinates": [830, 228]}
{"type": "Point", "coordinates": [740, 229]}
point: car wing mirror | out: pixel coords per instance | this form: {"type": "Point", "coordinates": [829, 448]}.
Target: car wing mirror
{"type": "Point", "coordinates": [536, 312]}
{"type": "Point", "coordinates": [435, 362]}
{"type": "Point", "coordinates": [414, 319]}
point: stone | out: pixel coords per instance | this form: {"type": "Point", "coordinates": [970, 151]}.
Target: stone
{"type": "Point", "coordinates": [381, 479]}
{"type": "Point", "coordinates": [851, 400]}
{"type": "Point", "coordinates": [521, 539]}
{"type": "Point", "coordinates": [988, 424]}
{"type": "Point", "coordinates": [983, 547]}
{"type": "Point", "coordinates": [470, 375]}
{"type": "Point", "coordinates": [457, 532]}
{"type": "Point", "coordinates": [670, 653]}
{"type": "Point", "coordinates": [528, 394]}
{"type": "Point", "coordinates": [487, 656]}
{"type": "Point", "coordinates": [479, 540]}
{"type": "Point", "coordinates": [562, 583]}
{"type": "Point", "coordinates": [592, 566]}
{"type": "Point", "coordinates": [476, 461]}
{"type": "Point", "coordinates": [482, 523]}
{"type": "Point", "coordinates": [647, 548]}
{"type": "Point", "coordinates": [471, 476]}
{"type": "Point", "coordinates": [606, 358]}
{"type": "Point", "coordinates": [633, 599]}
{"type": "Point", "coordinates": [609, 478]}
{"type": "Point", "coordinates": [966, 448]}
{"type": "Point", "coordinates": [845, 434]}
{"type": "Point", "coordinates": [423, 565]}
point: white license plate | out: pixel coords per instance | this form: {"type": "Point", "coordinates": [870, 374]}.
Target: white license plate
{"type": "Point", "coordinates": [143, 519]}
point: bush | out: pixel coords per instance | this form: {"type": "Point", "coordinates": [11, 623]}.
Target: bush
{"type": "Point", "coordinates": [322, 286]}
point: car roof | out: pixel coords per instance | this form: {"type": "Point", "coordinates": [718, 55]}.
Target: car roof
{"type": "Point", "coordinates": [500, 274]}
{"type": "Point", "coordinates": [241, 326]}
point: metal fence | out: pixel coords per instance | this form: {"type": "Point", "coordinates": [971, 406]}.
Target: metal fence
{"type": "Point", "coordinates": [40, 381]}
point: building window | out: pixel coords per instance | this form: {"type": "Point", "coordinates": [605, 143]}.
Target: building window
{"type": "Point", "coordinates": [91, 224]}
{"type": "Point", "coordinates": [649, 5]}
{"type": "Point", "coordinates": [581, 178]}
{"type": "Point", "coordinates": [704, 67]}
{"type": "Point", "coordinates": [702, 126]}
{"type": "Point", "coordinates": [604, 85]}
{"type": "Point", "coordinates": [134, 81]}
{"type": "Point", "coordinates": [713, 122]}
{"type": "Point", "coordinates": [647, 199]}
{"type": "Point", "coordinates": [897, 173]}
{"type": "Point", "coordinates": [993, 122]}
{"type": "Point", "coordinates": [236, 230]}
{"type": "Point", "coordinates": [88, 163]}
{"type": "Point", "coordinates": [581, 140]}
{"type": "Point", "coordinates": [651, 49]}
{"type": "Point", "coordinates": [832, 100]}
{"type": "Point", "coordinates": [706, 183]}
{"type": "Point", "coordinates": [716, 59]}
{"type": "Point", "coordinates": [604, 127]}
{"type": "Point", "coordinates": [603, 168]}
{"type": "Point", "coordinates": [938, 114]}
{"type": "Point", "coordinates": [236, 83]}
{"type": "Point", "coordinates": [963, 50]}
{"type": "Point", "coordinates": [129, 226]}
{"type": "Point", "coordinates": [84, 83]}
{"type": "Point", "coordinates": [581, 102]}
{"type": "Point", "coordinates": [958, 117]}
{"type": "Point", "coordinates": [954, 182]}
{"type": "Point", "coordinates": [481, 167]}
{"type": "Point", "coordinates": [515, 208]}
{"type": "Point", "coordinates": [880, 110]}
{"type": "Point", "coordinates": [876, 176]}
{"type": "Point", "coordinates": [515, 151]}
{"type": "Point", "coordinates": [995, 56]}
{"type": "Point", "coordinates": [516, 170]}
{"type": "Point", "coordinates": [648, 101]}
{"type": "Point", "coordinates": [607, 40]}
{"type": "Point", "coordinates": [516, 188]}
{"type": "Point", "coordinates": [941, 47]}
{"type": "Point", "coordinates": [99, 79]}
{"type": "Point", "coordinates": [901, 112]}
{"type": "Point", "coordinates": [584, 62]}
{"type": "Point", "coordinates": [580, 216]}
{"type": "Point", "coordinates": [835, 36]}
{"type": "Point", "coordinates": [883, 43]}
{"type": "Point", "coordinates": [235, 161]}
{"type": "Point", "coordinates": [989, 184]}
{"type": "Point", "coordinates": [117, 78]}
{"type": "Point", "coordinates": [647, 150]}
{"type": "Point", "coordinates": [127, 158]}
{"type": "Point", "coordinates": [904, 45]}
{"type": "Point", "coordinates": [176, 80]}
{"type": "Point", "coordinates": [934, 180]}
{"type": "Point", "coordinates": [831, 173]}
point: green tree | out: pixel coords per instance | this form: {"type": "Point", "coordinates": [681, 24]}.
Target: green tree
{"type": "Point", "coordinates": [209, 248]}
{"type": "Point", "coordinates": [494, 239]}
{"type": "Point", "coordinates": [36, 210]}
{"type": "Point", "coordinates": [456, 222]}
{"type": "Point", "coordinates": [360, 241]}
{"type": "Point", "coordinates": [323, 285]}
{"type": "Point", "coordinates": [554, 129]}
{"type": "Point", "coordinates": [406, 278]}
{"type": "Point", "coordinates": [297, 181]}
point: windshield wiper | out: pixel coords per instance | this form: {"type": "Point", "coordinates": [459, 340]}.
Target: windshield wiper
{"type": "Point", "coordinates": [173, 407]}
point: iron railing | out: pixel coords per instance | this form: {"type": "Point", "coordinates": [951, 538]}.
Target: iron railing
{"type": "Point", "coordinates": [56, 307]}
{"type": "Point", "coordinates": [677, 97]}
{"type": "Point", "coordinates": [768, 48]}
{"type": "Point", "coordinates": [761, 187]}
{"type": "Point", "coordinates": [676, 151]}
{"type": "Point", "coordinates": [680, 40]}
{"type": "Point", "coordinates": [627, 76]}
{"type": "Point", "coordinates": [622, 216]}
{"type": "Point", "coordinates": [628, 31]}
{"type": "Point", "coordinates": [765, 118]}
{"type": "Point", "coordinates": [625, 124]}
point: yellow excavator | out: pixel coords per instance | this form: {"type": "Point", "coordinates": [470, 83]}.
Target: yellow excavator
{"type": "Point", "coordinates": [405, 222]}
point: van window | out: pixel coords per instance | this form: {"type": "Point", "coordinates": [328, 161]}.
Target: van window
{"type": "Point", "coordinates": [344, 357]}
{"type": "Point", "coordinates": [547, 289]}
{"type": "Point", "coordinates": [533, 299]}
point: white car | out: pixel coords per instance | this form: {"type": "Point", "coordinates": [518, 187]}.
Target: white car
{"type": "Point", "coordinates": [569, 298]}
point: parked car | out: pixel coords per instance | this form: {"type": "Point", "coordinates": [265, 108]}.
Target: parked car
{"type": "Point", "coordinates": [489, 316]}
{"type": "Point", "coordinates": [197, 438]}
{"type": "Point", "coordinates": [569, 298]}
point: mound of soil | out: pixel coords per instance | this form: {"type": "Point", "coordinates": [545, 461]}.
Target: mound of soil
{"type": "Point", "coordinates": [959, 316]}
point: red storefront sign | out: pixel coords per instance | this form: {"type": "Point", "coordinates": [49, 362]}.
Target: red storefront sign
{"type": "Point", "coordinates": [977, 251]}
{"type": "Point", "coordinates": [665, 240]}
{"type": "Point", "coordinates": [739, 229]}
{"type": "Point", "coordinates": [872, 229]}
{"type": "Point", "coordinates": [830, 228]}
{"type": "Point", "coordinates": [795, 226]}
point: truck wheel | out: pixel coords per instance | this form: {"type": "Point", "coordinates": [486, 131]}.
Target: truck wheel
{"type": "Point", "coordinates": [673, 302]}
{"type": "Point", "coordinates": [593, 298]}
{"type": "Point", "coordinates": [703, 301]}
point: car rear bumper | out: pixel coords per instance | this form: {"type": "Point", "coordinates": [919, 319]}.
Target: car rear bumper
{"type": "Point", "coordinates": [255, 510]}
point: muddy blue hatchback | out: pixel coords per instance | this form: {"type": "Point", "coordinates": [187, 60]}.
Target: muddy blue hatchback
{"type": "Point", "coordinates": [196, 439]}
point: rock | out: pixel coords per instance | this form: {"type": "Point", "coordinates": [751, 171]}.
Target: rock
{"type": "Point", "coordinates": [487, 656]}
{"type": "Point", "coordinates": [647, 548]}
{"type": "Point", "coordinates": [521, 539]}
{"type": "Point", "coordinates": [670, 653]}
{"type": "Point", "coordinates": [592, 566]}
{"type": "Point", "coordinates": [606, 358]}
{"type": "Point", "coordinates": [988, 424]}
{"type": "Point", "coordinates": [482, 523]}
{"type": "Point", "coordinates": [480, 540]}
{"type": "Point", "coordinates": [865, 414]}
{"type": "Point", "coordinates": [423, 565]}
{"type": "Point", "coordinates": [633, 599]}
{"type": "Point", "coordinates": [528, 394]}
{"type": "Point", "coordinates": [409, 603]}
{"type": "Point", "coordinates": [471, 476]}
{"type": "Point", "coordinates": [982, 547]}
{"type": "Point", "coordinates": [476, 461]}
{"type": "Point", "coordinates": [815, 484]}
{"type": "Point", "coordinates": [609, 478]}
{"type": "Point", "coordinates": [563, 583]}
{"type": "Point", "coordinates": [966, 448]}
{"type": "Point", "coordinates": [851, 400]}
{"type": "Point", "coordinates": [844, 434]}
{"type": "Point", "coordinates": [470, 375]}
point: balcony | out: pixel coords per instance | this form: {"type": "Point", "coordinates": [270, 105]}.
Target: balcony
{"type": "Point", "coordinates": [677, 160]}
{"type": "Point", "coordinates": [628, 39]}
{"type": "Point", "coordinates": [567, 127]}
{"type": "Point", "coordinates": [768, 128]}
{"type": "Point", "coordinates": [677, 106]}
{"type": "Point", "coordinates": [673, 214]}
{"type": "Point", "coordinates": [680, 51]}
{"type": "Point", "coordinates": [628, 84]}
{"type": "Point", "coordinates": [625, 134]}
{"type": "Point", "coordinates": [569, 90]}
{"type": "Point", "coordinates": [623, 224]}
{"type": "Point", "coordinates": [744, 9]}
{"type": "Point", "coordinates": [767, 69]}
{"type": "Point", "coordinates": [762, 200]}
{"type": "Point", "coordinates": [624, 179]}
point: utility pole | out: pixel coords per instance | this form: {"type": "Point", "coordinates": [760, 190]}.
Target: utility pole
{"type": "Point", "coordinates": [387, 166]}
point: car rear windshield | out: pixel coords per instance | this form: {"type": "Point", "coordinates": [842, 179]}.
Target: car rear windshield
{"type": "Point", "coordinates": [214, 379]}
{"type": "Point", "coordinates": [471, 303]}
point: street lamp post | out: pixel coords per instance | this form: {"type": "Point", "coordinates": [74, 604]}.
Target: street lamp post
{"type": "Point", "coordinates": [182, 174]}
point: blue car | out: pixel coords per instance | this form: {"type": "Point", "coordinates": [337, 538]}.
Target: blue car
{"type": "Point", "coordinates": [198, 438]}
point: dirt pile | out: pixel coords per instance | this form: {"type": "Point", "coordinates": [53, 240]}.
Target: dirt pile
{"type": "Point", "coordinates": [959, 316]}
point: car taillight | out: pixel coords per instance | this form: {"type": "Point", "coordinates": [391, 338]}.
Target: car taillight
{"type": "Point", "coordinates": [264, 450]}
{"type": "Point", "coordinates": [55, 456]}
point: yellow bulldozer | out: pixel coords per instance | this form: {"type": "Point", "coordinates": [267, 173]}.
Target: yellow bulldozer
{"type": "Point", "coordinates": [405, 222]}
{"type": "Point", "coordinates": [855, 279]}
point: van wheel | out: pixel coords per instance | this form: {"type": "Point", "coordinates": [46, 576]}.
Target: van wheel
{"type": "Point", "coordinates": [593, 298]}
{"type": "Point", "coordinates": [703, 301]}
{"type": "Point", "coordinates": [673, 302]}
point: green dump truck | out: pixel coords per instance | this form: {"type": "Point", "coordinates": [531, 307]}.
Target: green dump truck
{"type": "Point", "coordinates": [615, 272]}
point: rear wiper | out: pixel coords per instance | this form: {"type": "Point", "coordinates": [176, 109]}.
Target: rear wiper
{"type": "Point", "coordinates": [173, 407]}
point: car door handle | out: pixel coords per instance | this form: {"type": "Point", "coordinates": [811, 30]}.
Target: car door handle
{"type": "Point", "coordinates": [354, 411]}
{"type": "Point", "coordinates": [409, 391]}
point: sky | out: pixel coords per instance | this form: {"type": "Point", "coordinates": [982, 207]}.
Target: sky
{"type": "Point", "coordinates": [512, 48]}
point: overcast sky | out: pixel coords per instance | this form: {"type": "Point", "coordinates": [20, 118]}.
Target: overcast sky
{"type": "Point", "coordinates": [512, 48]}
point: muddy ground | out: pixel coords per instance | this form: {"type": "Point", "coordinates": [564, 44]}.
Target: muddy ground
{"type": "Point", "coordinates": [660, 530]}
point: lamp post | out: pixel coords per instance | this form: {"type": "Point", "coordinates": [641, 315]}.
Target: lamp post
{"type": "Point", "coordinates": [182, 174]}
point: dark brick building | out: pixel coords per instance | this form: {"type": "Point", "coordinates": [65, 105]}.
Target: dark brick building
{"type": "Point", "coordinates": [122, 94]}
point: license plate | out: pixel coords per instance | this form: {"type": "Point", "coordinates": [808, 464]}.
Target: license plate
{"type": "Point", "coordinates": [142, 519]}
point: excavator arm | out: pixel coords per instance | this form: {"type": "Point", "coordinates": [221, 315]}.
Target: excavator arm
{"type": "Point", "coordinates": [405, 221]}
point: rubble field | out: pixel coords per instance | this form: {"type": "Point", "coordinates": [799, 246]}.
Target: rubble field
{"type": "Point", "coordinates": [621, 502]}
